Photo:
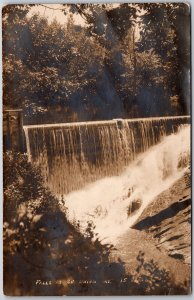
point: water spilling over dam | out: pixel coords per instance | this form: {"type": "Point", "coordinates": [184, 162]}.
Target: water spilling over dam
{"type": "Point", "coordinates": [113, 204]}
{"type": "Point", "coordinates": [70, 155]}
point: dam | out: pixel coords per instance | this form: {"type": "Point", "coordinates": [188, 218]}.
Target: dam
{"type": "Point", "coordinates": [71, 155]}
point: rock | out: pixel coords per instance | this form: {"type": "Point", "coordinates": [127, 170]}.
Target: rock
{"type": "Point", "coordinates": [134, 206]}
{"type": "Point", "coordinates": [130, 191]}
{"type": "Point", "coordinates": [177, 255]}
{"type": "Point", "coordinates": [167, 220]}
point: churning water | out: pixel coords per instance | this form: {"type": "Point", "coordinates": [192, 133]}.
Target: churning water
{"type": "Point", "coordinates": [114, 203]}
{"type": "Point", "coordinates": [109, 171]}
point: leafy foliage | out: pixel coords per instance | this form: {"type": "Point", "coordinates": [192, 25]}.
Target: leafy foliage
{"type": "Point", "coordinates": [162, 30]}
{"type": "Point", "coordinates": [38, 237]}
{"type": "Point", "coordinates": [111, 67]}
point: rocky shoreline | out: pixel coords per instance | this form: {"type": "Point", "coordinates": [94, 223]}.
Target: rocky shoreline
{"type": "Point", "coordinates": [168, 220]}
{"type": "Point", "coordinates": [163, 234]}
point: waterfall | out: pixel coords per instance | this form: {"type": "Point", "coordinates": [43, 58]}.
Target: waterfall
{"type": "Point", "coordinates": [71, 155]}
{"type": "Point", "coordinates": [114, 203]}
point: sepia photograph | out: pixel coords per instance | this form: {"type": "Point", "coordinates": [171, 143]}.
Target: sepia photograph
{"type": "Point", "coordinates": [96, 149]}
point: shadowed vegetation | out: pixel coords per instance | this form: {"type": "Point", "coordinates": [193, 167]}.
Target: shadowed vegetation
{"type": "Point", "coordinates": [46, 255]}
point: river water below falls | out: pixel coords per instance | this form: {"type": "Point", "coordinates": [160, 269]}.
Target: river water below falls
{"type": "Point", "coordinates": [114, 203]}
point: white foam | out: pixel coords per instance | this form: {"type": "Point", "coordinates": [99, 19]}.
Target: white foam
{"type": "Point", "coordinates": [106, 201]}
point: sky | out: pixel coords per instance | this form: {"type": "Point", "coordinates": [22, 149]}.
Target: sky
{"type": "Point", "coordinates": [53, 11]}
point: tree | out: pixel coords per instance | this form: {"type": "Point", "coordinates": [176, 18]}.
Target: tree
{"type": "Point", "coordinates": [162, 31]}
{"type": "Point", "coordinates": [58, 65]}
{"type": "Point", "coordinates": [109, 25]}
{"type": "Point", "coordinates": [128, 60]}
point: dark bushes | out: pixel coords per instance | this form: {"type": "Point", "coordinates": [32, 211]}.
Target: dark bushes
{"type": "Point", "coordinates": [46, 255]}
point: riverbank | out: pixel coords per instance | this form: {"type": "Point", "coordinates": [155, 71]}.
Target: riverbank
{"type": "Point", "coordinates": [44, 254]}
{"type": "Point", "coordinates": [162, 234]}
{"type": "Point", "coordinates": [168, 220]}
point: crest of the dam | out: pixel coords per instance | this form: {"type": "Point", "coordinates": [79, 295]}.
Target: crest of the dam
{"type": "Point", "coordinates": [70, 155]}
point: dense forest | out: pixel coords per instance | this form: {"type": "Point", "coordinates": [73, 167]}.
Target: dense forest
{"type": "Point", "coordinates": [126, 61]}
